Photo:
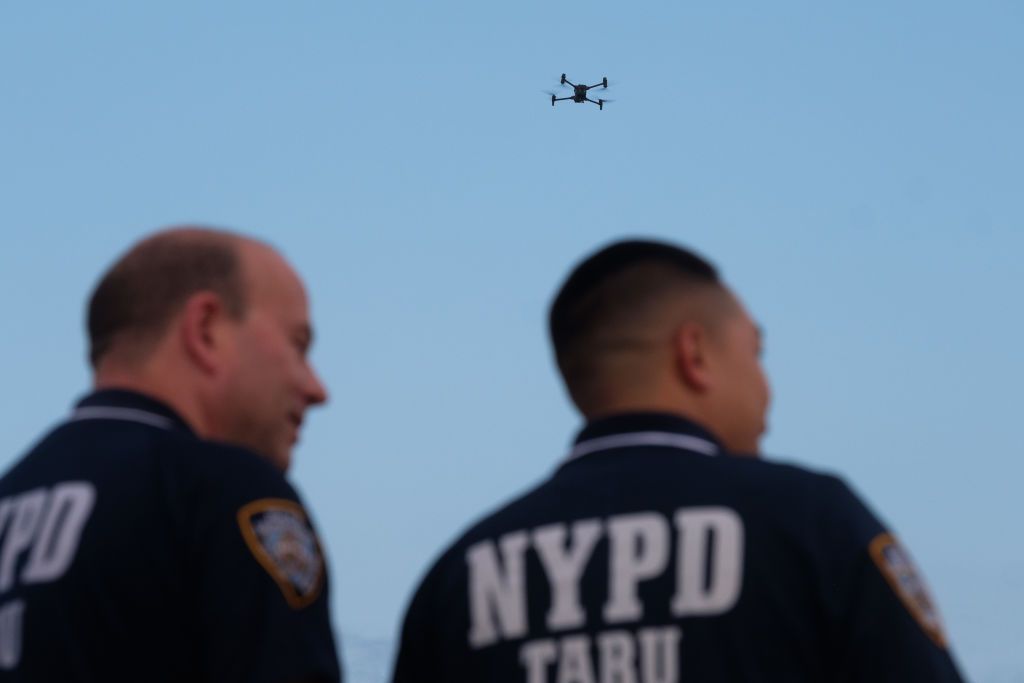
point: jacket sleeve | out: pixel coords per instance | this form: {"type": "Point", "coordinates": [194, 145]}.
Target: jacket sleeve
{"type": "Point", "coordinates": [885, 624]}
{"type": "Point", "coordinates": [261, 581]}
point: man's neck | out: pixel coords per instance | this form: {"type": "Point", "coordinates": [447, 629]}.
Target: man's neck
{"type": "Point", "coordinates": [168, 392]}
{"type": "Point", "coordinates": [671, 406]}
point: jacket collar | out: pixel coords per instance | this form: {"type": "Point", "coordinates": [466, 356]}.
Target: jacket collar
{"type": "Point", "coordinates": [129, 406]}
{"type": "Point", "coordinates": [631, 430]}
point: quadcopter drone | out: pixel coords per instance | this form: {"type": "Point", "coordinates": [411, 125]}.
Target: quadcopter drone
{"type": "Point", "coordinates": [579, 94]}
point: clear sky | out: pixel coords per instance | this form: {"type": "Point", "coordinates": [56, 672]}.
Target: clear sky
{"type": "Point", "coordinates": [855, 169]}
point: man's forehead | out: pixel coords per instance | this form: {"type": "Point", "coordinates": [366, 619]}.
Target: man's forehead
{"type": "Point", "coordinates": [269, 276]}
{"type": "Point", "coordinates": [737, 316]}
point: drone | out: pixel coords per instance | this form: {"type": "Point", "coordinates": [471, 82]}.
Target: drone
{"type": "Point", "coordinates": [579, 94]}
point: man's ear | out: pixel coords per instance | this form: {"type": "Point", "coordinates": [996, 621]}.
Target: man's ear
{"type": "Point", "coordinates": [202, 327]}
{"type": "Point", "coordinates": [691, 346]}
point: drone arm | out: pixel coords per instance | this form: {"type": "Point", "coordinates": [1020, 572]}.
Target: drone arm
{"type": "Point", "coordinates": [593, 102]}
{"type": "Point", "coordinates": [596, 85]}
{"type": "Point", "coordinates": [559, 99]}
{"type": "Point", "coordinates": [568, 82]}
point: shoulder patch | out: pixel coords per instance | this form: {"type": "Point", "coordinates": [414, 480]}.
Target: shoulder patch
{"type": "Point", "coordinates": [279, 534]}
{"type": "Point", "coordinates": [899, 570]}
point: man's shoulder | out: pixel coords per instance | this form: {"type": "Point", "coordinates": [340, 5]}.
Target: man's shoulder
{"type": "Point", "coordinates": [789, 489]}
{"type": "Point", "coordinates": [124, 453]}
{"type": "Point", "coordinates": [231, 471]}
{"type": "Point", "coordinates": [190, 455]}
{"type": "Point", "coordinates": [819, 503]}
{"type": "Point", "coordinates": [781, 476]}
{"type": "Point", "coordinates": [217, 457]}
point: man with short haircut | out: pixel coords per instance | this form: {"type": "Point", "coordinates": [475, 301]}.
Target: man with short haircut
{"type": "Point", "coordinates": [152, 535]}
{"type": "Point", "coordinates": [663, 549]}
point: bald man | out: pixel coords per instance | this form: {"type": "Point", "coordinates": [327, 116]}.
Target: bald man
{"type": "Point", "coordinates": [152, 535]}
{"type": "Point", "coordinates": [662, 549]}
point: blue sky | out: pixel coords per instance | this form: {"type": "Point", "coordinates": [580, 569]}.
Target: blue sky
{"type": "Point", "coordinates": [855, 171]}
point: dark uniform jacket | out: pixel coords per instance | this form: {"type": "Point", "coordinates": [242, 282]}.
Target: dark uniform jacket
{"type": "Point", "coordinates": [131, 550]}
{"type": "Point", "coordinates": [651, 557]}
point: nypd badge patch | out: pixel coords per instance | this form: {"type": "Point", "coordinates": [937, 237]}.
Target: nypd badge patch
{"type": "Point", "coordinates": [898, 569]}
{"type": "Point", "coordinates": [279, 534]}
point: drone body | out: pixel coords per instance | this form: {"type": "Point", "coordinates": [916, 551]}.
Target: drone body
{"type": "Point", "coordinates": [580, 93]}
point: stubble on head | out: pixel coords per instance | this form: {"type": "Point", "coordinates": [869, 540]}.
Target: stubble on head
{"type": "Point", "coordinates": [648, 327]}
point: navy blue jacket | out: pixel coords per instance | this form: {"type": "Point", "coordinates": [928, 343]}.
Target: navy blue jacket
{"type": "Point", "coordinates": [131, 550]}
{"type": "Point", "coordinates": [652, 557]}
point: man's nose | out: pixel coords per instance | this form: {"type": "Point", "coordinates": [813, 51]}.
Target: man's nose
{"type": "Point", "coordinates": [316, 392]}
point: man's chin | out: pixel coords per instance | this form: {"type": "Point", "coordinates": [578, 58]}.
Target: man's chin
{"type": "Point", "coordinates": [279, 457]}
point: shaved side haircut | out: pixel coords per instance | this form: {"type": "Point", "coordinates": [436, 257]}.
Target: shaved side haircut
{"type": "Point", "coordinates": [617, 304]}
{"type": "Point", "coordinates": [140, 294]}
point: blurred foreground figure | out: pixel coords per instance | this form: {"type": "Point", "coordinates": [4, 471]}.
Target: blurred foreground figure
{"type": "Point", "coordinates": [662, 549]}
{"type": "Point", "coordinates": [152, 535]}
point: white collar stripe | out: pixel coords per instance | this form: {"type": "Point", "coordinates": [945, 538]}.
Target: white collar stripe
{"type": "Point", "coordinates": [684, 442]}
{"type": "Point", "coordinates": [126, 414]}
